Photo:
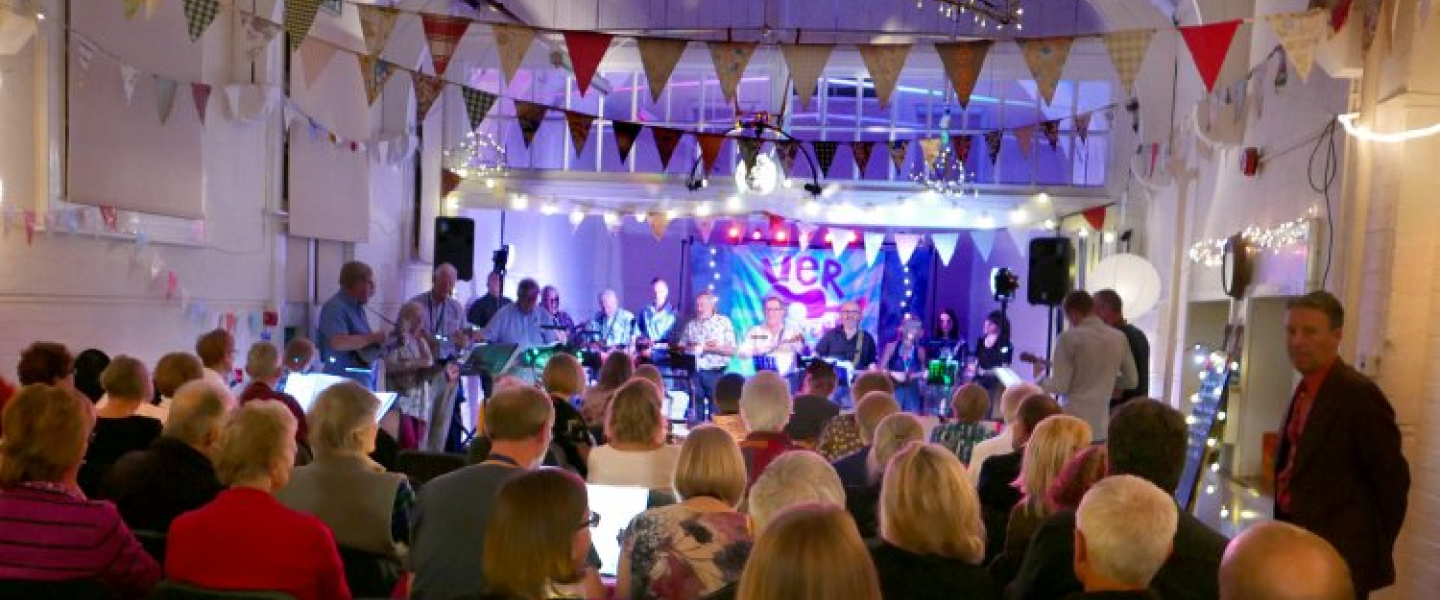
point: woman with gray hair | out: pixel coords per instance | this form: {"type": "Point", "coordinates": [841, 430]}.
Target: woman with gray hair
{"type": "Point", "coordinates": [406, 372]}
{"type": "Point", "coordinates": [904, 360]}
{"type": "Point", "coordinates": [765, 406]}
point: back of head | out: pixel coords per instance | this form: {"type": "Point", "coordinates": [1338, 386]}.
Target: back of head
{"type": "Point", "coordinates": [213, 347]}
{"type": "Point", "coordinates": [634, 414]}
{"type": "Point", "coordinates": [651, 373]}
{"type": "Point", "coordinates": [258, 441]}
{"type": "Point", "coordinates": [44, 362]}
{"type": "Point", "coordinates": [1011, 398]}
{"type": "Point", "coordinates": [1128, 526]}
{"type": "Point", "coordinates": [1109, 300]}
{"type": "Point", "coordinates": [1052, 444]}
{"type": "Point", "coordinates": [810, 552]}
{"type": "Point", "coordinates": [870, 410]}
{"type": "Point", "coordinates": [262, 363]}
{"type": "Point", "coordinates": [727, 393]}
{"type": "Point", "coordinates": [174, 370]}
{"type": "Point", "coordinates": [893, 433]}
{"type": "Point", "coordinates": [198, 410]}
{"type": "Point", "coordinates": [126, 379]}
{"type": "Point", "coordinates": [531, 532]}
{"type": "Point", "coordinates": [517, 413]}
{"type": "Point", "coordinates": [795, 477]}
{"type": "Point", "coordinates": [299, 353]}
{"type": "Point", "coordinates": [924, 486]}
{"type": "Point", "coordinates": [970, 403]}
{"type": "Point", "coordinates": [871, 381]}
{"type": "Point", "coordinates": [341, 419]}
{"type": "Point", "coordinates": [1147, 439]}
{"type": "Point", "coordinates": [45, 429]}
{"type": "Point", "coordinates": [1077, 476]}
{"type": "Point", "coordinates": [710, 465]}
{"type": "Point", "coordinates": [563, 376]}
{"type": "Point", "coordinates": [615, 371]}
{"type": "Point", "coordinates": [765, 402]}
{"type": "Point", "coordinates": [822, 378]}
{"type": "Point", "coordinates": [88, 366]}
{"type": "Point", "coordinates": [1279, 561]}
{"type": "Point", "coordinates": [1078, 302]}
{"type": "Point", "coordinates": [1035, 409]}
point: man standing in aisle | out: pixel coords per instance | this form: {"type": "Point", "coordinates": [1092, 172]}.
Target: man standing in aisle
{"type": "Point", "coordinates": [848, 343]}
{"type": "Point", "coordinates": [1339, 469]}
{"type": "Point", "coordinates": [711, 338]}
{"type": "Point", "coordinates": [1110, 308]}
{"type": "Point", "coordinates": [658, 317]}
{"type": "Point", "coordinates": [484, 308]}
{"type": "Point", "coordinates": [613, 327]}
{"type": "Point", "coordinates": [1089, 356]}
{"type": "Point", "coordinates": [348, 347]}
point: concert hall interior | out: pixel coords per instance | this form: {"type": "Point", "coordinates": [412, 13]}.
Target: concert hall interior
{"type": "Point", "coordinates": [1044, 226]}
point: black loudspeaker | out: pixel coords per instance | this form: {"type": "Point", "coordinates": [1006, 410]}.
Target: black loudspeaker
{"type": "Point", "coordinates": [455, 244]}
{"type": "Point", "coordinates": [1050, 260]}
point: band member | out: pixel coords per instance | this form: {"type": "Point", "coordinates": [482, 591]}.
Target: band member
{"type": "Point", "coordinates": [849, 344]}
{"type": "Point", "coordinates": [612, 327]}
{"type": "Point", "coordinates": [992, 351]}
{"type": "Point", "coordinates": [711, 337]}
{"type": "Point", "coordinates": [550, 301]}
{"type": "Point", "coordinates": [947, 335]}
{"type": "Point", "coordinates": [774, 338]}
{"type": "Point", "coordinates": [904, 360]}
{"type": "Point", "coordinates": [484, 308]}
{"type": "Point", "coordinates": [523, 322]}
{"type": "Point", "coordinates": [1091, 360]}
{"type": "Point", "coordinates": [657, 319]}
{"type": "Point", "coordinates": [449, 333]}
{"type": "Point", "coordinates": [348, 347]}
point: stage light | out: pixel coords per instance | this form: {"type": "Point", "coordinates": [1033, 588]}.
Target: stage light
{"type": "Point", "coordinates": [1083, 233]}
{"type": "Point", "coordinates": [829, 238]}
{"type": "Point", "coordinates": [672, 214]}
{"type": "Point", "coordinates": [761, 179]}
{"type": "Point", "coordinates": [1042, 198]}
{"type": "Point", "coordinates": [639, 217]}
{"type": "Point", "coordinates": [1049, 223]}
{"type": "Point", "coordinates": [734, 232]}
{"type": "Point", "coordinates": [1003, 284]}
{"type": "Point", "coordinates": [577, 217]}
{"type": "Point", "coordinates": [782, 236]}
{"type": "Point", "coordinates": [703, 210]}
{"type": "Point", "coordinates": [549, 208]}
{"type": "Point", "coordinates": [1109, 237]}
{"type": "Point", "coordinates": [811, 207]}
{"type": "Point", "coordinates": [489, 183]}
{"type": "Point", "coordinates": [735, 204]}
{"type": "Point", "coordinates": [756, 235]}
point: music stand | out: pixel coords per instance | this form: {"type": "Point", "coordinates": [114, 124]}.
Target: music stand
{"type": "Point", "coordinates": [490, 359]}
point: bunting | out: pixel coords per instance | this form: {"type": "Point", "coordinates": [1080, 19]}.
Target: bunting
{"type": "Point", "coordinates": [840, 239]}
{"type": "Point", "coordinates": [984, 240]}
{"type": "Point", "coordinates": [705, 225]}
{"type": "Point", "coordinates": [905, 244]}
{"type": "Point", "coordinates": [1300, 33]}
{"type": "Point", "coordinates": [376, 23]}
{"type": "Point", "coordinates": [530, 116]}
{"type": "Point", "coordinates": [1208, 46]}
{"type": "Point", "coordinates": [625, 134]}
{"type": "Point", "coordinates": [803, 233]}
{"type": "Point", "coordinates": [199, 14]}
{"type": "Point", "coordinates": [477, 104]}
{"type": "Point", "coordinates": [1082, 125]}
{"type": "Point", "coordinates": [132, 8]}
{"type": "Point", "coordinates": [1051, 130]}
{"type": "Point", "coordinates": [930, 151]}
{"type": "Point", "coordinates": [874, 242]}
{"type": "Point", "coordinates": [586, 49]}
{"type": "Point", "coordinates": [1021, 238]}
{"type": "Point", "coordinates": [427, 90]}
{"type": "Point", "coordinates": [659, 220]}
{"type": "Point", "coordinates": [825, 155]}
{"type": "Point", "coordinates": [1095, 217]}
{"type": "Point", "coordinates": [787, 151]}
{"type": "Point", "coordinates": [200, 93]}
{"type": "Point", "coordinates": [659, 56]}
{"type": "Point", "coordinates": [512, 42]}
{"type": "Point", "coordinates": [315, 55]}
{"type": "Point", "coordinates": [299, 15]}
{"type": "Point", "coordinates": [993, 142]}
{"type": "Point", "coordinates": [666, 139]}
{"type": "Point", "coordinates": [806, 62]}
{"type": "Point", "coordinates": [884, 61]}
{"type": "Point", "coordinates": [165, 94]}
{"type": "Point", "coordinates": [730, 59]}
{"type": "Point", "coordinates": [1046, 59]}
{"type": "Point", "coordinates": [375, 73]}
{"type": "Point", "coordinates": [710, 144]}
{"type": "Point", "coordinates": [580, 124]}
{"type": "Point", "coordinates": [961, 145]}
{"type": "Point", "coordinates": [258, 35]}
{"type": "Point", "coordinates": [898, 150]}
{"type": "Point", "coordinates": [963, 62]}
{"type": "Point", "coordinates": [861, 151]}
{"type": "Point", "coordinates": [945, 246]}
{"type": "Point", "coordinates": [1025, 136]}
{"type": "Point", "coordinates": [749, 150]}
{"type": "Point", "coordinates": [443, 33]}
{"type": "Point", "coordinates": [1127, 51]}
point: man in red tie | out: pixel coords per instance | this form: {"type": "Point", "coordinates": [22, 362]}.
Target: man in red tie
{"type": "Point", "coordinates": [1340, 473]}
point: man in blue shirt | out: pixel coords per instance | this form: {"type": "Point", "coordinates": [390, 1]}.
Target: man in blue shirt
{"type": "Point", "coordinates": [657, 319]}
{"type": "Point", "coordinates": [612, 327]}
{"type": "Point", "coordinates": [524, 322]}
{"type": "Point", "coordinates": [347, 345]}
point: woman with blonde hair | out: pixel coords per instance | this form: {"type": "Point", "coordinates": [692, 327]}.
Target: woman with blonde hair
{"type": "Point", "coordinates": [538, 538]}
{"type": "Point", "coordinates": [893, 433]}
{"type": "Point", "coordinates": [932, 537]}
{"type": "Point", "coordinates": [904, 360]}
{"type": "Point", "coordinates": [693, 548]}
{"type": "Point", "coordinates": [406, 372]}
{"type": "Point", "coordinates": [1054, 441]}
{"type": "Point", "coordinates": [637, 454]}
{"type": "Point", "coordinates": [810, 552]}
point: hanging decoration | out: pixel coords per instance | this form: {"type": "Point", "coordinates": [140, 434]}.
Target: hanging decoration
{"type": "Point", "coordinates": [376, 23]}
{"type": "Point", "coordinates": [579, 125]}
{"type": "Point", "coordinates": [874, 242]}
{"type": "Point", "coordinates": [625, 134]}
{"type": "Point", "coordinates": [512, 42]}
{"type": "Point", "coordinates": [1211, 253]}
{"type": "Point", "coordinates": [825, 155]}
{"type": "Point", "coordinates": [443, 34]}
{"type": "Point", "coordinates": [1046, 58]}
{"type": "Point", "coordinates": [477, 105]}
{"type": "Point", "coordinates": [200, 93]}
{"type": "Point", "coordinates": [479, 155]}
{"type": "Point", "coordinates": [1300, 33]}
{"type": "Point", "coordinates": [165, 96]}
{"type": "Point", "coordinates": [710, 144]}
{"type": "Point", "coordinates": [530, 116]}
{"type": "Point", "coordinates": [1208, 46]}
{"type": "Point", "coordinates": [945, 246]}
{"type": "Point", "coordinates": [963, 61]}
{"type": "Point", "coordinates": [199, 14]}
{"type": "Point", "coordinates": [1127, 50]}
{"type": "Point", "coordinates": [666, 139]}
{"type": "Point", "coordinates": [658, 56]}
{"type": "Point", "coordinates": [898, 150]}
{"type": "Point", "coordinates": [427, 90]}
{"type": "Point", "coordinates": [984, 240]}
{"type": "Point", "coordinates": [586, 49]}
{"type": "Point", "coordinates": [806, 62]}
{"type": "Point", "coordinates": [861, 152]}
{"type": "Point", "coordinates": [884, 61]}
{"type": "Point", "coordinates": [905, 245]}
{"type": "Point", "coordinates": [993, 140]}
{"type": "Point", "coordinates": [730, 60]}
{"type": "Point", "coordinates": [299, 16]}
{"type": "Point", "coordinates": [840, 239]}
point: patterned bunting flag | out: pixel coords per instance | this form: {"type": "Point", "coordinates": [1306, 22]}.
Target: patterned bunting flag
{"type": "Point", "coordinates": [512, 42]}
{"type": "Point", "coordinates": [1046, 59]}
{"type": "Point", "coordinates": [580, 124]}
{"type": "Point", "coordinates": [375, 73]}
{"type": "Point", "coordinates": [427, 89]}
{"type": "Point", "coordinates": [993, 142]}
{"type": "Point", "coordinates": [299, 15]}
{"type": "Point", "coordinates": [376, 23]}
{"type": "Point", "coordinates": [730, 59]}
{"type": "Point", "coordinates": [961, 145]}
{"type": "Point", "coordinates": [930, 150]}
{"type": "Point", "coordinates": [1025, 136]}
{"type": "Point", "coordinates": [586, 49]}
{"type": "Point", "coordinates": [165, 94]}
{"type": "Point", "coordinates": [659, 220]}
{"type": "Point", "coordinates": [625, 134]}
{"type": "Point", "coordinates": [659, 56]}
{"type": "Point", "coordinates": [825, 155]}
{"type": "Point", "coordinates": [898, 149]}
{"type": "Point", "coordinates": [477, 104]}
{"type": "Point", "coordinates": [710, 144]}
{"type": "Point", "coordinates": [963, 61]}
{"type": "Point", "coordinates": [862, 151]}
{"type": "Point", "coordinates": [749, 150]}
{"type": "Point", "coordinates": [806, 62]}
{"type": "Point", "coordinates": [200, 93]}
{"type": "Point", "coordinates": [1300, 33]}
{"type": "Point", "coordinates": [788, 149]}
{"type": "Point", "coordinates": [1082, 125]}
{"type": "Point", "coordinates": [1208, 46]}
{"type": "Point", "coordinates": [666, 139]}
{"type": "Point", "coordinates": [1127, 51]}
{"type": "Point", "coordinates": [884, 61]}
{"type": "Point", "coordinates": [531, 116]}
{"type": "Point", "coordinates": [1051, 129]}
{"type": "Point", "coordinates": [199, 14]}
{"type": "Point", "coordinates": [443, 33]}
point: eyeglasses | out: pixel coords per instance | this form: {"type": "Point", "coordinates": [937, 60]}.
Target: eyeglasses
{"type": "Point", "coordinates": [590, 522]}
{"type": "Point", "coordinates": [849, 312]}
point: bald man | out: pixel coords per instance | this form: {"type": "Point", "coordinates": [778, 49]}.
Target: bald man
{"type": "Point", "coordinates": [1279, 561]}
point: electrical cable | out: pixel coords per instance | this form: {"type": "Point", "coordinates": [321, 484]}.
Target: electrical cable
{"type": "Point", "coordinates": [1329, 170]}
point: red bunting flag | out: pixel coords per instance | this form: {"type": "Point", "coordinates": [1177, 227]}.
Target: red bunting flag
{"type": "Point", "coordinates": [1095, 217]}
{"type": "Point", "coordinates": [1051, 129]}
{"type": "Point", "coordinates": [200, 92]}
{"type": "Point", "coordinates": [961, 145]}
{"type": "Point", "coordinates": [1208, 46]}
{"type": "Point", "coordinates": [587, 49]}
{"type": "Point", "coordinates": [862, 151]}
{"type": "Point", "coordinates": [666, 139]}
{"type": "Point", "coordinates": [443, 33]}
{"type": "Point", "coordinates": [449, 181]}
{"type": "Point", "coordinates": [710, 144]}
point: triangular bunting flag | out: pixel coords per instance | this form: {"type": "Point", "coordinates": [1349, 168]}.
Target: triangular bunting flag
{"type": "Point", "coordinates": [898, 150]}
{"type": "Point", "coordinates": [862, 151]}
{"type": "Point", "coordinates": [1299, 34]}
{"type": "Point", "coordinates": [1127, 51]}
{"type": "Point", "coordinates": [788, 149]}
{"type": "Point", "coordinates": [427, 89]}
{"type": "Point", "coordinates": [299, 15]}
{"type": "Point", "coordinates": [666, 139]}
{"type": "Point", "coordinates": [710, 144]}
{"type": "Point", "coordinates": [884, 61]}
{"type": "Point", "coordinates": [1025, 136]}
{"type": "Point", "coordinates": [580, 124]}
{"type": "Point", "coordinates": [165, 94]}
{"type": "Point", "coordinates": [963, 61]}
{"type": "Point", "coordinates": [443, 33]}
{"type": "Point", "coordinates": [258, 35]}
{"type": "Point", "coordinates": [1095, 217]}
{"type": "Point", "coordinates": [874, 242]}
{"type": "Point", "coordinates": [905, 244]}
{"type": "Point", "coordinates": [1046, 59]}
{"type": "Point", "coordinates": [825, 155]}
{"type": "Point", "coordinates": [199, 14]}
{"type": "Point", "coordinates": [1051, 130]}
{"type": "Point", "coordinates": [375, 73]}
{"type": "Point", "coordinates": [930, 150]}
{"type": "Point", "coordinates": [705, 225]}
{"type": "Point", "coordinates": [806, 62]}
{"type": "Point", "coordinates": [803, 233]}
{"type": "Point", "coordinates": [945, 245]}
{"type": "Point", "coordinates": [376, 23]}
{"type": "Point", "coordinates": [961, 145]}
{"type": "Point", "coordinates": [730, 59]}
{"type": "Point", "coordinates": [586, 49]}
{"type": "Point", "coordinates": [749, 150]}
{"type": "Point", "coordinates": [449, 181]}
{"type": "Point", "coordinates": [625, 134]}
{"type": "Point", "coordinates": [315, 54]}
{"type": "Point", "coordinates": [658, 222]}
{"type": "Point", "coordinates": [840, 239]}
{"type": "Point", "coordinates": [659, 56]}
{"type": "Point", "coordinates": [200, 92]}
{"type": "Point", "coordinates": [512, 42]}
{"type": "Point", "coordinates": [1020, 236]}
{"type": "Point", "coordinates": [1208, 46]}
{"type": "Point", "coordinates": [993, 142]}
{"type": "Point", "coordinates": [128, 76]}
{"type": "Point", "coordinates": [530, 116]}
{"type": "Point", "coordinates": [477, 104]}
{"type": "Point", "coordinates": [984, 240]}
{"type": "Point", "coordinates": [1082, 125]}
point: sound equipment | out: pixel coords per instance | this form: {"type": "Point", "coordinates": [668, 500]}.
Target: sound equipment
{"type": "Point", "coordinates": [1050, 260]}
{"type": "Point", "coordinates": [455, 244]}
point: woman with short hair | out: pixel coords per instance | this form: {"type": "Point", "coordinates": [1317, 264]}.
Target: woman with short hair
{"type": "Point", "coordinates": [966, 428]}
{"type": "Point", "coordinates": [637, 454]}
{"type": "Point", "coordinates": [904, 360]}
{"type": "Point", "coordinates": [538, 539]}
{"type": "Point", "coordinates": [693, 548]}
{"type": "Point", "coordinates": [570, 440]}
{"type": "Point", "coordinates": [616, 371]}
{"type": "Point", "coordinates": [124, 422]}
{"type": "Point", "coordinates": [810, 552]}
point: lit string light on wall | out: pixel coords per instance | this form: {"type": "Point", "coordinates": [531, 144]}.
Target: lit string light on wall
{"type": "Point", "coordinates": [1211, 253]}
{"type": "Point", "coordinates": [983, 12]}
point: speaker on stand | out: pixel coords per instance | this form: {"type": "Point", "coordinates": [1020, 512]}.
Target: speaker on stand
{"type": "Point", "coordinates": [1050, 261]}
{"type": "Point", "coordinates": [455, 244]}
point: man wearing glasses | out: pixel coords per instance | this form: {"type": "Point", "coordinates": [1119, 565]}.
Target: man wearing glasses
{"type": "Point", "coordinates": [550, 301]}
{"type": "Point", "coordinates": [773, 339]}
{"type": "Point", "coordinates": [847, 343]}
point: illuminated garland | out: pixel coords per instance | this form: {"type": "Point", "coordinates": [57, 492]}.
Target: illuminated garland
{"type": "Point", "coordinates": [1212, 252]}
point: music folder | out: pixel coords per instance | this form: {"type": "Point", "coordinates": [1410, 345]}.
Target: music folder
{"type": "Point", "coordinates": [491, 359]}
{"type": "Point", "coordinates": [1007, 376]}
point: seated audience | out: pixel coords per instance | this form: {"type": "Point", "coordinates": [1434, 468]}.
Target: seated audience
{"type": "Point", "coordinates": [88, 366]}
{"type": "Point", "coordinates": [727, 405]}
{"type": "Point", "coordinates": [637, 453]}
{"type": "Point", "coordinates": [407, 368]}
{"type": "Point", "coordinates": [299, 356]}
{"type": "Point", "coordinates": [809, 552]}
{"type": "Point", "coordinates": [651, 373]}
{"type": "Point", "coordinates": [447, 531]}
{"type": "Point", "coordinates": [765, 409]}
{"type": "Point", "coordinates": [51, 531]}
{"type": "Point", "coordinates": [49, 363]}
{"type": "Point", "coordinates": [1148, 440]}
{"type": "Point", "coordinates": [262, 364]}
{"type": "Point", "coordinates": [892, 434]}
{"type": "Point", "coordinates": [174, 475]}
{"type": "Point", "coordinates": [367, 508]}
{"type": "Point", "coordinates": [931, 537]}
{"type": "Point", "coordinates": [570, 440]}
{"type": "Point", "coordinates": [617, 370]}
{"type": "Point", "coordinates": [216, 349]}
{"type": "Point", "coordinates": [1004, 443]}
{"type": "Point", "coordinates": [1123, 532]}
{"type": "Point", "coordinates": [120, 425]}
{"type": "Point", "coordinates": [1082, 471]}
{"type": "Point", "coordinates": [998, 494]}
{"type": "Point", "coordinates": [538, 540]}
{"type": "Point", "coordinates": [813, 407]}
{"type": "Point", "coordinates": [841, 435]}
{"type": "Point", "coordinates": [968, 405]}
{"type": "Point", "coordinates": [854, 470]}
{"type": "Point", "coordinates": [690, 549]}
{"type": "Point", "coordinates": [7, 390]}
{"type": "Point", "coordinates": [127, 381]}
{"type": "Point", "coordinates": [172, 371]}
{"type": "Point", "coordinates": [245, 540]}
{"type": "Point", "coordinates": [1279, 561]}
{"type": "Point", "coordinates": [1055, 440]}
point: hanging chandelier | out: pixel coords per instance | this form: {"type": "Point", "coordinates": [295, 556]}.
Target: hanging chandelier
{"type": "Point", "coordinates": [984, 12]}
{"type": "Point", "coordinates": [946, 175]}
{"type": "Point", "coordinates": [479, 156]}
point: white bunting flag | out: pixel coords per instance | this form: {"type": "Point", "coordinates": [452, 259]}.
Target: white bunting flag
{"type": "Point", "coordinates": [945, 245]}
{"type": "Point", "coordinates": [984, 241]}
{"type": "Point", "coordinates": [874, 241]}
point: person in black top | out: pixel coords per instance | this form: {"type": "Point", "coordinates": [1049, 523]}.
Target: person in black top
{"type": "Point", "coordinates": [570, 440]}
{"type": "Point", "coordinates": [998, 495]}
{"type": "Point", "coordinates": [88, 366]}
{"type": "Point", "coordinates": [813, 407]}
{"type": "Point", "coordinates": [121, 422]}
{"type": "Point", "coordinates": [848, 342]}
{"type": "Point", "coordinates": [992, 351]}
{"type": "Point", "coordinates": [1110, 309]}
{"type": "Point", "coordinates": [486, 306]}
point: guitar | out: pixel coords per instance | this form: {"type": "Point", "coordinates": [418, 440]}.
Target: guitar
{"type": "Point", "coordinates": [1039, 363]}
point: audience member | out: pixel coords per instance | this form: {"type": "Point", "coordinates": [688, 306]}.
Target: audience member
{"type": "Point", "coordinates": [407, 369]}
{"type": "Point", "coordinates": [245, 539]}
{"type": "Point", "coordinates": [1004, 443]}
{"type": "Point", "coordinates": [841, 436]}
{"type": "Point", "coordinates": [127, 381]}
{"type": "Point", "coordinates": [216, 349]}
{"type": "Point", "coordinates": [172, 371]}
{"type": "Point", "coordinates": [49, 363]}
{"type": "Point", "coordinates": [893, 433]}
{"type": "Point", "coordinates": [88, 366]}
{"type": "Point", "coordinates": [120, 425]}
{"type": "Point", "coordinates": [650, 373]}
{"type": "Point", "coordinates": [570, 439]}
{"type": "Point", "coordinates": [1055, 440]}
{"type": "Point", "coordinates": [299, 356]}
{"type": "Point", "coordinates": [1148, 440]}
{"type": "Point", "coordinates": [51, 531]}
{"type": "Point", "coordinates": [998, 494]}
{"type": "Point", "coordinates": [1279, 561]}
{"type": "Point", "coordinates": [810, 552]}
{"type": "Point", "coordinates": [174, 475]}
{"type": "Point", "coordinates": [262, 364]}
{"type": "Point", "coordinates": [617, 369]}
{"type": "Point", "coordinates": [765, 409]}
{"type": "Point", "coordinates": [931, 537]}
{"type": "Point", "coordinates": [537, 542]}
{"type": "Point", "coordinates": [693, 548]}
{"type": "Point", "coordinates": [1123, 533]}
{"type": "Point", "coordinates": [1077, 477]}
{"type": "Point", "coordinates": [636, 453]}
{"type": "Point", "coordinates": [452, 511]}
{"type": "Point", "coordinates": [872, 408]}
{"type": "Point", "coordinates": [968, 405]}
{"type": "Point", "coordinates": [813, 407]}
{"type": "Point", "coordinates": [727, 405]}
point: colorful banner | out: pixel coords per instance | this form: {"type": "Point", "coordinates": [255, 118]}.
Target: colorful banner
{"type": "Point", "coordinates": [376, 23]}
{"type": "Point", "coordinates": [586, 49]}
{"type": "Point", "coordinates": [199, 14]}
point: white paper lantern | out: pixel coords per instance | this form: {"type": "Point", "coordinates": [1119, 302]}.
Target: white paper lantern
{"type": "Point", "coordinates": [1133, 278]}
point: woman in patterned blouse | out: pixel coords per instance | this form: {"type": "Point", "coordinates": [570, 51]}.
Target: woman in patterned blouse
{"type": "Point", "coordinates": [968, 404]}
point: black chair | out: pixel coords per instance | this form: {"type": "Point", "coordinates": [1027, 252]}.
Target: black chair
{"type": "Point", "coordinates": [153, 542]}
{"type": "Point", "coordinates": [421, 467]}
{"type": "Point", "coordinates": [170, 590]}
{"type": "Point", "coordinates": [64, 589]}
{"type": "Point", "coordinates": [369, 575]}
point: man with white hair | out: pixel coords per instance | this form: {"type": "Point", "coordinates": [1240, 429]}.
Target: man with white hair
{"type": "Point", "coordinates": [1123, 535]}
{"type": "Point", "coordinates": [443, 315]}
{"type": "Point", "coordinates": [1279, 561]}
{"type": "Point", "coordinates": [612, 327]}
{"type": "Point", "coordinates": [765, 408]}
